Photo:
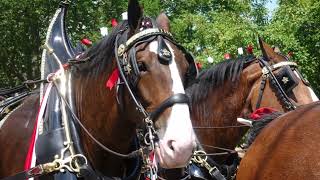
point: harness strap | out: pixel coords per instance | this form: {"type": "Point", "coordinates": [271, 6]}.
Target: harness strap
{"type": "Point", "coordinates": [10, 102]}
{"type": "Point", "coordinates": [123, 77]}
{"type": "Point", "coordinates": [36, 171]}
{"type": "Point", "coordinates": [282, 95]}
{"type": "Point", "coordinates": [26, 86]}
{"type": "Point", "coordinates": [176, 98]}
{"type": "Point", "coordinates": [212, 168]}
{"type": "Point", "coordinates": [133, 154]}
{"type": "Point", "coordinates": [305, 81]}
{"type": "Point", "coordinates": [262, 87]}
{"type": "Point", "coordinates": [5, 92]}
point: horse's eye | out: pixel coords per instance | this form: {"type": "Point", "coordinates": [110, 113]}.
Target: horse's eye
{"type": "Point", "coordinates": [142, 66]}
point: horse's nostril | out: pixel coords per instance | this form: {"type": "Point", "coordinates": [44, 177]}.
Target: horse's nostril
{"type": "Point", "coordinates": [170, 144]}
{"type": "Point", "coordinates": [142, 66]}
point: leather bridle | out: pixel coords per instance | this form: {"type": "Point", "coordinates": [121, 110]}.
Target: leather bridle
{"type": "Point", "coordinates": [209, 164]}
{"type": "Point", "coordinates": [267, 73]}
{"type": "Point", "coordinates": [125, 54]}
{"type": "Point", "coordinates": [126, 61]}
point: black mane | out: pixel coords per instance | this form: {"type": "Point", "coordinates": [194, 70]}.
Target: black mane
{"type": "Point", "coordinates": [225, 70]}
{"type": "Point", "coordinates": [100, 55]}
{"type": "Point", "coordinates": [228, 70]}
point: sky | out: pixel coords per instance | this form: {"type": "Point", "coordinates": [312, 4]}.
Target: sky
{"type": "Point", "coordinates": [272, 5]}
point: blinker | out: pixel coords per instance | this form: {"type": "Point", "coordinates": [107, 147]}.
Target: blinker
{"type": "Point", "coordinates": [287, 79]}
{"type": "Point", "coordinates": [165, 53]}
{"type": "Point", "coordinates": [165, 56]}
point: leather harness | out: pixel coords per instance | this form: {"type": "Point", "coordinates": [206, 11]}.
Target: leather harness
{"type": "Point", "coordinates": [70, 127]}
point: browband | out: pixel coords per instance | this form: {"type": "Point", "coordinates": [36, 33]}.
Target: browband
{"type": "Point", "coordinates": [143, 34]}
{"type": "Point", "coordinates": [265, 70]}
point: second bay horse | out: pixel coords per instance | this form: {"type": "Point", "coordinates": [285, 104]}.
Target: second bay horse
{"type": "Point", "coordinates": [152, 75]}
{"type": "Point", "coordinates": [231, 89]}
{"type": "Point", "coordinates": [287, 148]}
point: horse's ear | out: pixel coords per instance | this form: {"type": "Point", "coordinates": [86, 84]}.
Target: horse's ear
{"type": "Point", "coordinates": [163, 22]}
{"type": "Point", "coordinates": [268, 52]}
{"type": "Point", "coordinates": [134, 14]}
{"type": "Point", "coordinates": [262, 47]}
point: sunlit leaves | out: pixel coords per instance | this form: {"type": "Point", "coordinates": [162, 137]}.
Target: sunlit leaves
{"type": "Point", "coordinates": [295, 27]}
{"type": "Point", "coordinates": [207, 28]}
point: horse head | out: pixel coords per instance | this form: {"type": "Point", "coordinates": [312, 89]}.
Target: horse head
{"type": "Point", "coordinates": [148, 70]}
{"type": "Point", "coordinates": [277, 82]}
{"type": "Point", "coordinates": [231, 89]}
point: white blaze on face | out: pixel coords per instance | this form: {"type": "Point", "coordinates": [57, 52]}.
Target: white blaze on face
{"type": "Point", "coordinates": [312, 94]}
{"type": "Point", "coordinates": [153, 47]}
{"type": "Point", "coordinates": [177, 143]}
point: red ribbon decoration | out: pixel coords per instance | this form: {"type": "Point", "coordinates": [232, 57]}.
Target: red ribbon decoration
{"type": "Point", "coordinates": [250, 49]}
{"type": "Point", "coordinates": [86, 42]}
{"type": "Point", "coordinates": [227, 56]}
{"type": "Point", "coordinates": [112, 81]}
{"type": "Point", "coordinates": [258, 113]}
{"type": "Point", "coordinates": [199, 65]}
{"type": "Point", "coordinates": [114, 22]}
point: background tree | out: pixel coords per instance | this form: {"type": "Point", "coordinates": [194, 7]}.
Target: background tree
{"type": "Point", "coordinates": [295, 27]}
{"type": "Point", "coordinates": [207, 28]}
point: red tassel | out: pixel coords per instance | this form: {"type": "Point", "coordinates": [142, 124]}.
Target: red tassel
{"type": "Point", "coordinates": [114, 22]}
{"type": "Point", "coordinates": [112, 81]}
{"type": "Point", "coordinates": [199, 65]}
{"type": "Point", "coordinates": [86, 42]}
{"type": "Point", "coordinates": [250, 49]}
{"type": "Point", "coordinates": [227, 56]}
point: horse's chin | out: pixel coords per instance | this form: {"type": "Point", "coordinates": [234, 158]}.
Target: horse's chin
{"type": "Point", "coordinates": [169, 159]}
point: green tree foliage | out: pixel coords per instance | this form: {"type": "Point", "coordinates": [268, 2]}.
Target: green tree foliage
{"type": "Point", "coordinates": [211, 28]}
{"type": "Point", "coordinates": [23, 29]}
{"type": "Point", "coordinates": [259, 12]}
{"type": "Point", "coordinates": [207, 28]}
{"type": "Point", "coordinates": [20, 23]}
{"type": "Point", "coordinates": [295, 27]}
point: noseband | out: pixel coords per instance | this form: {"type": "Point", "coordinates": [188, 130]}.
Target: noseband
{"type": "Point", "coordinates": [283, 83]}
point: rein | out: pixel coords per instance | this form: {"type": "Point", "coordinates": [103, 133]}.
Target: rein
{"type": "Point", "coordinates": [28, 85]}
{"type": "Point", "coordinates": [220, 127]}
{"type": "Point", "coordinates": [133, 154]}
{"type": "Point", "coordinates": [14, 96]}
